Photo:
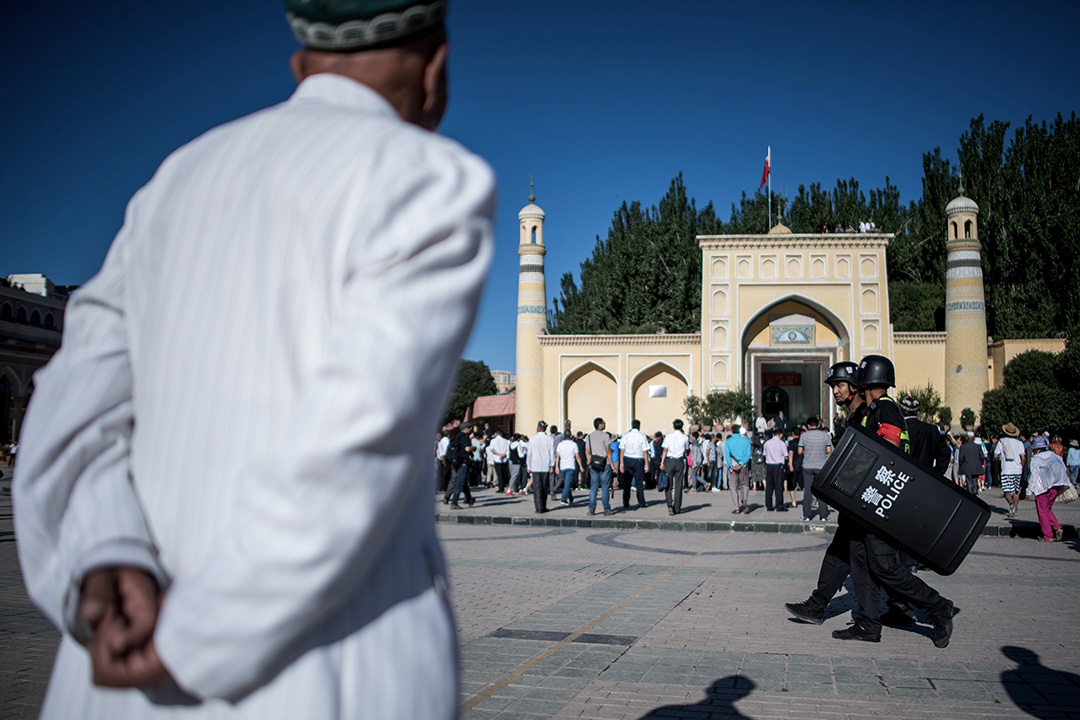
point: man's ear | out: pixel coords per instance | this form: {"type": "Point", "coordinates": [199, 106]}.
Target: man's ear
{"type": "Point", "coordinates": [435, 87]}
{"type": "Point", "coordinates": [298, 65]}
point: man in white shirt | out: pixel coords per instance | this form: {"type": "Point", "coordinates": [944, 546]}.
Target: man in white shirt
{"type": "Point", "coordinates": [278, 263]}
{"type": "Point", "coordinates": [518, 450]}
{"type": "Point", "coordinates": [569, 463]}
{"type": "Point", "coordinates": [673, 459]}
{"type": "Point", "coordinates": [633, 464]}
{"type": "Point", "coordinates": [499, 457]}
{"type": "Point", "coordinates": [541, 462]}
{"type": "Point", "coordinates": [441, 468]}
{"type": "Point", "coordinates": [1011, 452]}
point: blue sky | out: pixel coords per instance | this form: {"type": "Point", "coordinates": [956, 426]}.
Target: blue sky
{"type": "Point", "coordinates": [601, 101]}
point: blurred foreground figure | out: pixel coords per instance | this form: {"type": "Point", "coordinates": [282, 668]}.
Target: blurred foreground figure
{"type": "Point", "coordinates": [219, 496]}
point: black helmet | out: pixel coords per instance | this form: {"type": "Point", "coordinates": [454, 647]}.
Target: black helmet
{"type": "Point", "coordinates": [875, 371]}
{"type": "Point", "coordinates": [841, 372]}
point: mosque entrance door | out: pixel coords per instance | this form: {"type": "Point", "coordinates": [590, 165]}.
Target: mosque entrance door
{"type": "Point", "coordinates": [775, 400]}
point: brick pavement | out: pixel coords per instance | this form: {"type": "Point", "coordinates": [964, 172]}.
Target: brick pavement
{"type": "Point", "coordinates": [677, 624]}
{"type": "Point", "coordinates": [623, 622]}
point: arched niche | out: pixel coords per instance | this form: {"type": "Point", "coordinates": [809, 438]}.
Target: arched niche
{"type": "Point", "coordinates": [720, 337]}
{"type": "Point", "coordinates": [843, 267]}
{"type": "Point", "coordinates": [869, 301]}
{"type": "Point", "coordinates": [719, 302]}
{"type": "Point", "coordinates": [871, 336]}
{"type": "Point", "coordinates": [657, 394]}
{"type": "Point", "coordinates": [868, 267]}
{"type": "Point", "coordinates": [719, 267]}
{"type": "Point", "coordinates": [768, 267]}
{"type": "Point", "coordinates": [720, 374]}
{"type": "Point", "coordinates": [590, 391]}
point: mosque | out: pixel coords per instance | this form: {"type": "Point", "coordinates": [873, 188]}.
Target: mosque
{"type": "Point", "coordinates": [777, 310]}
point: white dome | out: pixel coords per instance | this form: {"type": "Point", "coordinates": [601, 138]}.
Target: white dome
{"type": "Point", "coordinates": [531, 211]}
{"type": "Point", "coordinates": [961, 204]}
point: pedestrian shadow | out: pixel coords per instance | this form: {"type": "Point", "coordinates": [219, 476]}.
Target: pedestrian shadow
{"type": "Point", "coordinates": [1038, 690]}
{"type": "Point", "coordinates": [720, 701]}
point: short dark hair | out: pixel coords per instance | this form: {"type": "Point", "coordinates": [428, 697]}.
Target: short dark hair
{"type": "Point", "coordinates": [636, 424]}
{"type": "Point", "coordinates": [777, 432]}
{"type": "Point", "coordinates": [813, 421]}
{"type": "Point", "coordinates": [735, 429]}
{"type": "Point", "coordinates": [597, 423]}
{"type": "Point", "coordinates": [677, 424]}
{"type": "Point", "coordinates": [658, 434]}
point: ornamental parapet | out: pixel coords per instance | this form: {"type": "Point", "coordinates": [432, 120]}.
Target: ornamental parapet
{"type": "Point", "coordinates": [796, 240]}
{"type": "Point", "coordinates": [635, 340]}
{"type": "Point", "coordinates": [925, 338]}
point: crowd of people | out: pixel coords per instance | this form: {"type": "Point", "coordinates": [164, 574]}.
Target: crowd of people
{"type": "Point", "coordinates": [764, 458]}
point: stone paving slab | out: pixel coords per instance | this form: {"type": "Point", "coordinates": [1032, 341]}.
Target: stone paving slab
{"type": "Point", "coordinates": [711, 512]}
{"type": "Point", "coordinates": [713, 640]}
{"type": "Point", "coordinates": [620, 622]}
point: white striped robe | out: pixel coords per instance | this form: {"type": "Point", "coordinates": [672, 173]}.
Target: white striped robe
{"type": "Point", "coordinates": [235, 408]}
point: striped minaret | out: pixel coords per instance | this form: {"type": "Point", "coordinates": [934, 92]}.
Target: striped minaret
{"type": "Point", "coordinates": [966, 376]}
{"type": "Point", "coordinates": [531, 319]}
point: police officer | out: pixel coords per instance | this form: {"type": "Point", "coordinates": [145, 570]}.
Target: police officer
{"type": "Point", "coordinates": [873, 560]}
{"type": "Point", "coordinates": [835, 566]}
{"type": "Point", "coordinates": [928, 446]}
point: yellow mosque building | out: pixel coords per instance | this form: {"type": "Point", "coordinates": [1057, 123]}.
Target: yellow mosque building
{"type": "Point", "coordinates": [777, 310]}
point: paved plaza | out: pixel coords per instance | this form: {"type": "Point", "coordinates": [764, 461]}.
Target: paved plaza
{"type": "Point", "coordinates": [613, 618]}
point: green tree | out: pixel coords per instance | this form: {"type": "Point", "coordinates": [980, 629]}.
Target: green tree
{"type": "Point", "coordinates": [473, 380]}
{"type": "Point", "coordinates": [945, 415]}
{"type": "Point", "coordinates": [646, 275]}
{"type": "Point", "coordinates": [967, 418]}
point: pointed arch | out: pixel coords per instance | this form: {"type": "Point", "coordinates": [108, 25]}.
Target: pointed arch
{"type": "Point", "coordinates": [589, 391]}
{"type": "Point", "coordinates": [656, 413]}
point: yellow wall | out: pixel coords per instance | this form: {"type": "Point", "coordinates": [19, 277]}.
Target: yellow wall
{"type": "Point", "coordinates": [1003, 351]}
{"type": "Point", "coordinates": [919, 359]}
{"type": "Point", "coordinates": [608, 376]}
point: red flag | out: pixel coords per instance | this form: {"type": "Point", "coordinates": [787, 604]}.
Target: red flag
{"type": "Point", "coordinates": [765, 172]}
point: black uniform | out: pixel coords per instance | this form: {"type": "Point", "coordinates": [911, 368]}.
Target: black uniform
{"type": "Point", "coordinates": [873, 560]}
{"type": "Point", "coordinates": [835, 566]}
{"type": "Point", "coordinates": [928, 445]}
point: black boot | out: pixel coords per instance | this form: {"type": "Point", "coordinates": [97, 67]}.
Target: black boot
{"type": "Point", "coordinates": [804, 612]}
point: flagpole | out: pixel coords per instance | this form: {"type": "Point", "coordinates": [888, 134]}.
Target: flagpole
{"type": "Point", "coordinates": [768, 154]}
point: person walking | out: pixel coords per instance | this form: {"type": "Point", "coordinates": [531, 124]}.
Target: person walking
{"type": "Point", "coordinates": [775, 452]}
{"type": "Point", "coordinates": [541, 462]}
{"type": "Point", "coordinates": [634, 464]}
{"type": "Point", "coordinates": [598, 444]}
{"type": "Point", "coordinates": [569, 461]}
{"type": "Point", "coordinates": [1048, 478]}
{"type": "Point", "coordinates": [873, 560]}
{"type": "Point", "coordinates": [814, 449]}
{"type": "Point", "coordinates": [971, 464]}
{"type": "Point", "coordinates": [1010, 451]}
{"type": "Point", "coordinates": [673, 458]}
{"type": "Point", "coordinates": [737, 452]}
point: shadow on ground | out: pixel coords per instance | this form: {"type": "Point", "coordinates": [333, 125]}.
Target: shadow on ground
{"type": "Point", "coordinates": [1038, 690]}
{"type": "Point", "coordinates": [720, 700]}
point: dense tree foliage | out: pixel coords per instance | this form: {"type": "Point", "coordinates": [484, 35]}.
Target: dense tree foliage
{"type": "Point", "coordinates": [645, 276]}
{"type": "Point", "coordinates": [473, 380]}
{"type": "Point", "coordinates": [1039, 392]}
{"type": "Point", "coordinates": [1027, 187]}
{"type": "Point", "coordinates": [719, 406]}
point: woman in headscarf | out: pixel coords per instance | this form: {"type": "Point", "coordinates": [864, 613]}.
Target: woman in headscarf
{"type": "Point", "coordinates": [1048, 478]}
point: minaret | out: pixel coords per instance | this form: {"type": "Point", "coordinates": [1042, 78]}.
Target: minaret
{"type": "Point", "coordinates": [531, 318]}
{"type": "Point", "coordinates": [966, 377]}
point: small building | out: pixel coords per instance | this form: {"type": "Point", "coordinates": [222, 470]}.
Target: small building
{"type": "Point", "coordinates": [31, 318]}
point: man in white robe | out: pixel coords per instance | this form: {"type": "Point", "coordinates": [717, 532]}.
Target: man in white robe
{"type": "Point", "coordinates": [228, 428]}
